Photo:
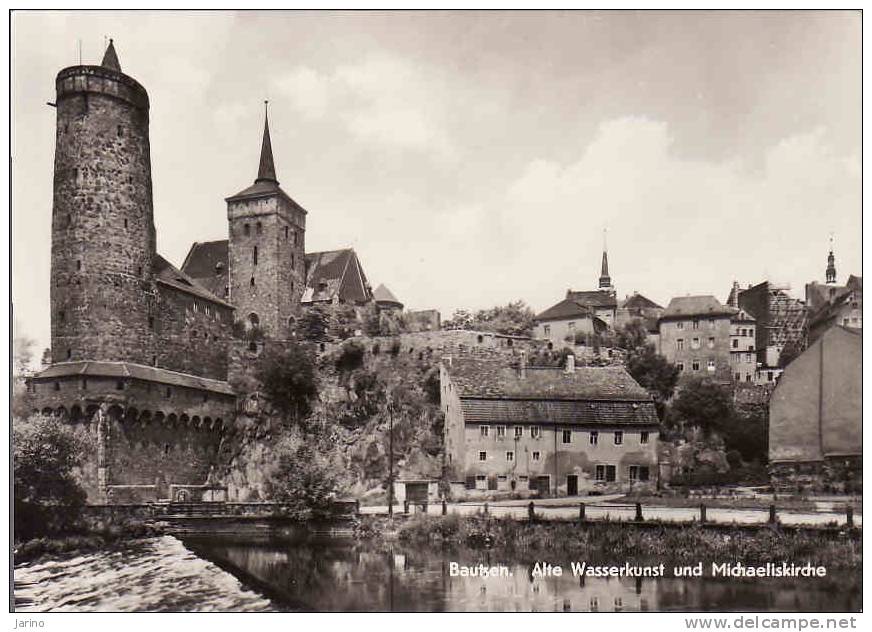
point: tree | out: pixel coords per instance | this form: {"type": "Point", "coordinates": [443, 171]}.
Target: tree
{"type": "Point", "coordinates": [514, 319]}
{"type": "Point", "coordinates": [290, 381]}
{"type": "Point", "coordinates": [461, 319]}
{"type": "Point", "coordinates": [704, 404]}
{"type": "Point", "coordinates": [45, 452]}
{"type": "Point", "coordinates": [654, 373]}
{"type": "Point", "coordinates": [306, 476]}
{"type": "Point", "coordinates": [631, 336]}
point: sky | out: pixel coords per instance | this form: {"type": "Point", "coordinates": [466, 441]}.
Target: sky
{"type": "Point", "coordinates": [475, 158]}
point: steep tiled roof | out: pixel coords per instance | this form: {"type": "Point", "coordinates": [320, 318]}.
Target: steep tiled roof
{"type": "Point", "coordinates": [637, 301]}
{"type": "Point", "coordinates": [567, 308]}
{"type": "Point", "coordinates": [137, 371]}
{"type": "Point", "coordinates": [558, 412]}
{"type": "Point", "coordinates": [706, 305]}
{"type": "Point", "coordinates": [202, 265]}
{"type": "Point", "coordinates": [593, 298]}
{"type": "Point", "coordinates": [494, 379]}
{"type": "Point", "coordinates": [168, 274]}
{"type": "Point", "coordinates": [335, 273]}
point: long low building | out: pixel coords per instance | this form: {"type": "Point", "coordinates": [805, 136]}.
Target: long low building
{"type": "Point", "coordinates": [550, 430]}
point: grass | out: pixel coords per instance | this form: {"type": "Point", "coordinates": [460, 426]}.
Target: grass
{"type": "Point", "coordinates": [615, 542]}
{"type": "Point", "coordinates": [788, 503]}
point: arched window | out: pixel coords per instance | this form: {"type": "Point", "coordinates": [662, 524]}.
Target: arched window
{"type": "Point", "coordinates": [292, 321]}
{"type": "Point", "coordinates": [254, 319]}
{"type": "Point", "coordinates": [480, 339]}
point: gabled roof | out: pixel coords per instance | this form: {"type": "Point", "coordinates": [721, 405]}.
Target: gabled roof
{"type": "Point", "coordinates": [567, 308]}
{"type": "Point", "coordinates": [383, 295]}
{"type": "Point", "coordinates": [137, 371]}
{"type": "Point", "coordinates": [206, 264]}
{"type": "Point", "coordinates": [637, 301]}
{"type": "Point", "coordinates": [335, 273]}
{"type": "Point", "coordinates": [170, 275]}
{"type": "Point", "coordinates": [498, 411]}
{"type": "Point", "coordinates": [495, 379]}
{"type": "Point", "coordinates": [593, 298]}
{"type": "Point", "coordinates": [703, 305]}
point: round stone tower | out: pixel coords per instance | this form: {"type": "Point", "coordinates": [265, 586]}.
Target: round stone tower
{"type": "Point", "coordinates": [103, 238]}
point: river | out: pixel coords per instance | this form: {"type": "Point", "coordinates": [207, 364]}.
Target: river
{"type": "Point", "coordinates": [208, 574]}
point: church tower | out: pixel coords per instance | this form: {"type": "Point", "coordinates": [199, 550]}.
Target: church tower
{"type": "Point", "coordinates": [831, 266]}
{"type": "Point", "coordinates": [267, 260]}
{"type": "Point", "coordinates": [103, 238]}
{"type": "Point", "coordinates": [605, 281]}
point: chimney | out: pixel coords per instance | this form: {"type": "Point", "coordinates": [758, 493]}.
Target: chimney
{"type": "Point", "coordinates": [570, 363]}
{"type": "Point", "coordinates": [522, 365]}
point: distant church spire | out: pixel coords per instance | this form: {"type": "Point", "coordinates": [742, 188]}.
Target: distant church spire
{"type": "Point", "coordinates": [110, 58]}
{"type": "Point", "coordinates": [605, 281]}
{"type": "Point", "coordinates": [831, 264]}
{"type": "Point", "coordinates": [266, 172]}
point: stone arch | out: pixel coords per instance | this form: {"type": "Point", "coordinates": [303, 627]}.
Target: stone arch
{"type": "Point", "coordinates": [76, 414]}
{"type": "Point", "coordinates": [182, 496]}
{"type": "Point", "coordinates": [115, 412]}
{"type": "Point", "coordinates": [145, 417]}
{"type": "Point", "coordinates": [48, 411]}
{"type": "Point", "coordinates": [172, 420]}
{"type": "Point", "coordinates": [184, 419]}
{"type": "Point", "coordinates": [159, 417]}
{"type": "Point", "coordinates": [196, 421]}
{"type": "Point", "coordinates": [219, 423]}
{"type": "Point", "coordinates": [61, 412]}
{"type": "Point", "coordinates": [132, 415]}
{"type": "Point", "coordinates": [91, 410]}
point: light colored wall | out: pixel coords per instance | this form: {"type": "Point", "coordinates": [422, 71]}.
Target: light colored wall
{"type": "Point", "coordinates": [717, 327]}
{"type": "Point", "coordinates": [559, 329]}
{"type": "Point", "coordinates": [743, 358]}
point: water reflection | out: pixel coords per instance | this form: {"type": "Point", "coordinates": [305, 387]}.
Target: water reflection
{"type": "Point", "coordinates": [344, 576]}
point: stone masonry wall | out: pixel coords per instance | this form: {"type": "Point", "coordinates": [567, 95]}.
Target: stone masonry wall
{"type": "Point", "coordinates": [103, 239]}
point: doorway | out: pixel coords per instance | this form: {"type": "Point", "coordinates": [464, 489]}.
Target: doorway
{"type": "Point", "coordinates": [572, 485]}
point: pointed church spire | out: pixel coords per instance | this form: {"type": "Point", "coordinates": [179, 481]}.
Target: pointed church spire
{"type": "Point", "coordinates": [831, 264]}
{"type": "Point", "coordinates": [266, 172]}
{"type": "Point", "coordinates": [605, 281]}
{"type": "Point", "coordinates": [110, 58]}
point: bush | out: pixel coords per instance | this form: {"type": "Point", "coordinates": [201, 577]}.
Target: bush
{"type": "Point", "coordinates": [350, 356]}
{"type": "Point", "coordinates": [45, 454]}
{"type": "Point", "coordinates": [289, 380]}
{"type": "Point", "coordinates": [306, 476]}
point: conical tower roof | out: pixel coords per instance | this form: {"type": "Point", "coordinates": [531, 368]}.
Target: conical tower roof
{"type": "Point", "coordinates": [110, 58]}
{"type": "Point", "coordinates": [266, 171]}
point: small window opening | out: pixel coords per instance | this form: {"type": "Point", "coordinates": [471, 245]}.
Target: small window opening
{"type": "Point", "coordinates": [119, 385]}
{"type": "Point", "coordinates": [78, 265]}
{"type": "Point", "coordinates": [251, 283]}
{"type": "Point", "coordinates": [154, 360]}
{"type": "Point", "coordinates": [169, 392]}
{"type": "Point", "coordinates": [69, 354]}
{"type": "Point", "coordinates": [139, 271]}
{"type": "Point", "coordinates": [254, 257]}
{"type": "Point", "coordinates": [62, 316]}
{"type": "Point", "coordinates": [252, 346]}
{"type": "Point", "coordinates": [259, 228]}
{"type": "Point", "coordinates": [57, 386]}
{"type": "Point", "coordinates": [286, 233]}
{"type": "Point", "coordinates": [125, 223]}
{"type": "Point", "coordinates": [151, 322]}
{"type": "Point", "coordinates": [120, 131]}
{"type": "Point", "coordinates": [247, 230]}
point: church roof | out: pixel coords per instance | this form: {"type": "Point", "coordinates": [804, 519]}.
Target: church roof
{"type": "Point", "coordinates": [110, 58]}
{"type": "Point", "coordinates": [383, 295]}
{"type": "Point", "coordinates": [335, 273]}
{"type": "Point", "coordinates": [170, 275]}
{"type": "Point", "coordinates": [266, 171]}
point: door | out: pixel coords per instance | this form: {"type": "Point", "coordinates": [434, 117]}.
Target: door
{"type": "Point", "coordinates": [543, 484]}
{"type": "Point", "coordinates": [416, 492]}
{"type": "Point", "coordinates": [572, 485]}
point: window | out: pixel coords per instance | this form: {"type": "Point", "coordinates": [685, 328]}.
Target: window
{"type": "Point", "coordinates": [253, 319]}
{"type": "Point", "coordinates": [680, 366]}
{"type": "Point", "coordinates": [69, 354]}
{"type": "Point", "coordinates": [78, 265]}
{"type": "Point", "coordinates": [679, 324]}
{"type": "Point", "coordinates": [293, 261]}
{"type": "Point", "coordinates": [259, 228]}
{"type": "Point", "coordinates": [710, 366]}
{"type": "Point", "coordinates": [247, 230]}
{"type": "Point", "coordinates": [605, 473]}
{"type": "Point", "coordinates": [119, 385]}
{"type": "Point", "coordinates": [594, 437]}
{"type": "Point", "coordinates": [254, 256]}
{"type": "Point", "coordinates": [546, 329]}
{"type": "Point", "coordinates": [679, 344]}
{"type": "Point", "coordinates": [638, 472]}
{"type": "Point", "coordinates": [750, 332]}
{"type": "Point", "coordinates": [610, 473]}
{"type": "Point", "coordinates": [510, 455]}
{"type": "Point", "coordinates": [748, 377]}
{"type": "Point", "coordinates": [535, 432]}
{"type": "Point", "coordinates": [519, 432]}
{"type": "Point", "coordinates": [619, 437]}
{"type": "Point", "coordinates": [695, 365]}
{"type": "Point", "coordinates": [744, 332]}
{"type": "Point", "coordinates": [251, 283]}
{"type": "Point", "coordinates": [711, 323]}
{"type": "Point", "coordinates": [169, 393]}
{"type": "Point", "coordinates": [501, 432]}
{"type": "Point", "coordinates": [536, 455]}
{"type": "Point", "coordinates": [845, 321]}
{"type": "Point", "coordinates": [62, 315]}
{"type": "Point", "coordinates": [482, 456]}
{"type": "Point", "coordinates": [85, 384]}
{"type": "Point", "coordinates": [735, 344]}
{"type": "Point", "coordinates": [769, 376]}
{"type": "Point", "coordinates": [484, 430]}
{"type": "Point", "coordinates": [695, 323]}
{"type": "Point", "coordinates": [694, 343]}
{"type": "Point", "coordinates": [120, 131]}
{"type": "Point", "coordinates": [747, 357]}
{"type": "Point", "coordinates": [286, 233]}
{"type": "Point", "coordinates": [711, 343]}
{"type": "Point", "coordinates": [151, 322]}
{"type": "Point", "coordinates": [643, 437]}
{"type": "Point", "coordinates": [738, 377]}
{"type": "Point", "coordinates": [567, 436]}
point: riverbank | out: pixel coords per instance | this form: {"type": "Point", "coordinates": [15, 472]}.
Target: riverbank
{"type": "Point", "coordinates": [62, 546]}
{"type": "Point", "coordinates": [608, 542]}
